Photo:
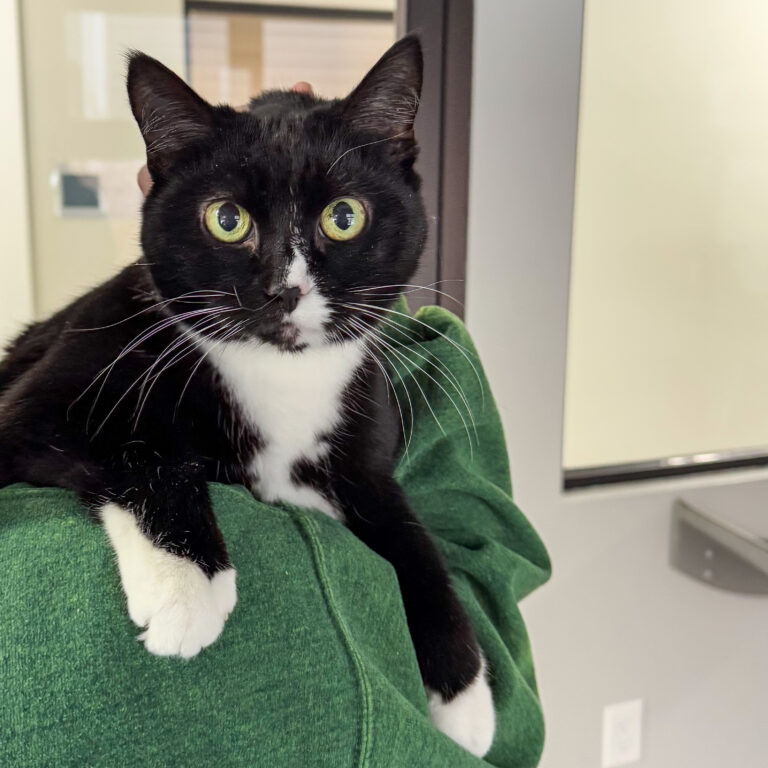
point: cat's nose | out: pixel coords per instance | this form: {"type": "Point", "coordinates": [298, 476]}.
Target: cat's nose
{"type": "Point", "coordinates": [288, 297]}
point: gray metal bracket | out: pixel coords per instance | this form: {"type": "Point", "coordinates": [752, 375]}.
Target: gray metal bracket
{"type": "Point", "coordinates": [718, 553]}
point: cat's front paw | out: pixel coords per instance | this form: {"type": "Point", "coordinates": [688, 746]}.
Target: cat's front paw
{"type": "Point", "coordinates": [189, 612]}
{"type": "Point", "coordinates": [181, 608]}
{"type": "Point", "coordinates": [469, 717]}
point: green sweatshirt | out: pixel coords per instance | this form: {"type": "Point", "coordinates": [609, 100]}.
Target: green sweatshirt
{"type": "Point", "coordinates": [315, 666]}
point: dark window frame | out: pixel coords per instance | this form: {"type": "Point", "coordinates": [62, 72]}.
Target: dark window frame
{"type": "Point", "coordinates": [657, 469]}
{"type": "Point", "coordinates": [443, 130]}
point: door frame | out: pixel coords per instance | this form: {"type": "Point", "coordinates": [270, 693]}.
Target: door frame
{"type": "Point", "coordinates": [443, 130]}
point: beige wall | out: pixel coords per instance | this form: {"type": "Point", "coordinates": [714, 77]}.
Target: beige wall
{"type": "Point", "coordinates": [15, 264]}
{"type": "Point", "coordinates": [225, 56]}
{"type": "Point", "coordinates": [667, 349]}
{"type": "Point", "coordinates": [78, 116]}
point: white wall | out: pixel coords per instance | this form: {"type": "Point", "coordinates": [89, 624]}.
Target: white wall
{"type": "Point", "coordinates": [615, 622]}
{"type": "Point", "coordinates": [15, 269]}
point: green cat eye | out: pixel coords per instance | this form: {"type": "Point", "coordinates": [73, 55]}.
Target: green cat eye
{"type": "Point", "coordinates": [343, 219]}
{"type": "Point", "coordinates": [227, 221]}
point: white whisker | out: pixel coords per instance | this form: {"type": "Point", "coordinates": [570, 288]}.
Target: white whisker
{"type": "Point", "coordinates": [187, 343]}
{"type": "Point", "coordinates": [367, 144]}
{"type": "Point", "coordinates": [435, 361]}
{"type": "Point", "coordinates": [379, 343]}
{"type": "Point", "coordinates": [126, 393]}
{"type": "Point", "coordinates": [407, 434]}
{"type": "Point", "coordinates": [373, 291]}
{"type": "Point", "coordinates": [145, 335]}
{"type": "Point", "coordinates": [463, 350]}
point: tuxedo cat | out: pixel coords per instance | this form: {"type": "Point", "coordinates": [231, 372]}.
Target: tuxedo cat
{"type": "Point", "coordinates": [237, 350]}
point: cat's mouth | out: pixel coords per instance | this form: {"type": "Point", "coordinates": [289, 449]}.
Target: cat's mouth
{"type": "Point", "coordinates": [287, 337]}
{"type": "Point", "coordinates": [289, 334]}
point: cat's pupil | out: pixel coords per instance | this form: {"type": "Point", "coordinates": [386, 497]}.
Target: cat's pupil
{"type": "Point", "coordinates": [228, 216]}
{"type": "Point", "coordinates": [343, 215]}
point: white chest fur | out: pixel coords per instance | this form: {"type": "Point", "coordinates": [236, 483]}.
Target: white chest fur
{"type": "Point", "coordinates": [292, 399]}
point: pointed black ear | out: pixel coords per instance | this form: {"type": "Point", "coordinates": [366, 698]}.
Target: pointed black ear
{"type": "Point", "coordinates": [386, 101]}
{"type": "Point", "coordinates": [169, 113]}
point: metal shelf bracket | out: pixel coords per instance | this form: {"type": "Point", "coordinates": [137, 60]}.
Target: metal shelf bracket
{"type": "Point", "coordinates": [718, 553]}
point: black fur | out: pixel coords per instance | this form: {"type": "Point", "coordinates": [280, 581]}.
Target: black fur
{"type": "Point", "coordinates": [92, 399]}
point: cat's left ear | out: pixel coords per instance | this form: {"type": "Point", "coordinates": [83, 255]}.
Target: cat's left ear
{"type": "Point", "coordinates": [169, 113]}
{"type": "Point", "coordinates": [386, 101]}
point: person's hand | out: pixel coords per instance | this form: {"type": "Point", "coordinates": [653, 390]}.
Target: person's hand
{"type": "Point", "coordinates": [145, 180]}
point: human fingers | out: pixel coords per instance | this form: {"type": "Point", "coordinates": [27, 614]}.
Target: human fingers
{"type": "Point", "coordinates": [145, 180]}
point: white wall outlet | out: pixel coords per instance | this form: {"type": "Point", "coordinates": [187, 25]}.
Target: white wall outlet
{"type": "Point", "coordinates": [622, 733]}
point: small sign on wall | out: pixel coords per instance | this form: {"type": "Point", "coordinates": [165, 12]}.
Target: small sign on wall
{"type": "Point", "coordinates": [79, 194]}
{"type": "Point", "coordinates": [98, 188]}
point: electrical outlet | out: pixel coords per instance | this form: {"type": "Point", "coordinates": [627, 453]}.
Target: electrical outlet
{"type": "Point", "coordinates": [622, 733]}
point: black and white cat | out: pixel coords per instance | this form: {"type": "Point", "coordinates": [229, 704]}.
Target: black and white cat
{"type": "Point", "coordinates": [236, 350]}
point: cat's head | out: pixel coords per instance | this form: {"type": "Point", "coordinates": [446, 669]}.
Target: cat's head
{"type": "Point", "coordinates": [270, 224]}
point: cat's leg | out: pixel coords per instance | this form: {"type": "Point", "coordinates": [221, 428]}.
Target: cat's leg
{"type": "Point", "coordinates": [452, 666]}
{"type": "Point", "coordinates": [172, 559]}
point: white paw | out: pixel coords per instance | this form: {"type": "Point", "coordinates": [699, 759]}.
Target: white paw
{"type": "Point", "coordinates": [468, 718]}
{"type": "Point", "coordinates": [190, 610]}
{"type": "Point", "coordinates": [225, 591]}
{"type": "Point", "coordinates": [182, 609]}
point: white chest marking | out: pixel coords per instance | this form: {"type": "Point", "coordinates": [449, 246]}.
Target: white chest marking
{"type": "Point", "coordinates": [292, 399]}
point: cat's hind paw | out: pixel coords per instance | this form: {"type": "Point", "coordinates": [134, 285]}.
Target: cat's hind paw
{"type": "Point", "coordinates": [469, 717]}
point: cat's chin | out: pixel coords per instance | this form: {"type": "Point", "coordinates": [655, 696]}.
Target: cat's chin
{"type": "Point", "coordinates": [288, 337]}
{"type": "Point", "coordinates": [292, 347]}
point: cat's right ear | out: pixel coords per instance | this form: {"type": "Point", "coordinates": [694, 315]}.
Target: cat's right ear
{"type": "Point", "coordinates": [169, 113]}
